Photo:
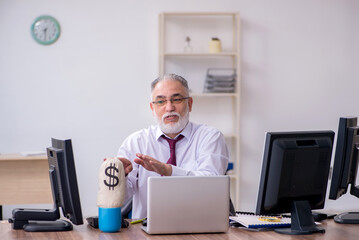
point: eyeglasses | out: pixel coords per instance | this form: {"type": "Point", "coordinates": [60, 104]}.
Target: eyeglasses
{"type": "Point", "coordinates": [176, 101]}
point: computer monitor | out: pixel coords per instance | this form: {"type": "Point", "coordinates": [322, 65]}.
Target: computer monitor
{"type": "Point", "coordinates": [294, 177]}
{"type": "Point", "coordinates": [346, 165]}
{"type": "Point", "coordinates": [65, 194]}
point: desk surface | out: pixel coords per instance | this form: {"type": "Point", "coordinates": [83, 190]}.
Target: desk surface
{"type": "Point", "coordinates": [334, 231]}
{"type": "Point", "coordinates": [20, 157]}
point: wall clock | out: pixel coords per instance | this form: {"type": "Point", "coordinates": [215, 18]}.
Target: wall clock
{"type": "Point", "coordinates": [45, 30]}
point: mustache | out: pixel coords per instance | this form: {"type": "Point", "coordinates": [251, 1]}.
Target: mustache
{"type": "Point", "coordinates": [170, 114]}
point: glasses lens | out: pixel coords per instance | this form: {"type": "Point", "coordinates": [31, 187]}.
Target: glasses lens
{"type": "Point", "coordinates": [161, 102]}
{"type": "Point", "coordinates": [177, 100]}
{"type": "Point", "coordinates": [173, 101]}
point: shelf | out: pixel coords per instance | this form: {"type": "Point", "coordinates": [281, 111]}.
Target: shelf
{"type": "Point", "coordinates": [213, 94]}
{"type": "Point", "coordinates": [194, 54]}
{"type": "Point", "coordinates": [196, 14]}
{"type": "Point", "coordinates": [220, 110]}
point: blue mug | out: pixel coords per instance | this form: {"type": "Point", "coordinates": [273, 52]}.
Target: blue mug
{"type": "Point", "coordinates": [109, 219]}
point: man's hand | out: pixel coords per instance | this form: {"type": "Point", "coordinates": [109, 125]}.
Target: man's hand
{"type": "Point", "coordinates": [153, 165]}
{"type": "Point", "coordinates": [127, 165]}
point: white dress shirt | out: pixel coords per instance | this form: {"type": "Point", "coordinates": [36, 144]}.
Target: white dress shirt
{"type": "Point", "coordinates": [201, 152]}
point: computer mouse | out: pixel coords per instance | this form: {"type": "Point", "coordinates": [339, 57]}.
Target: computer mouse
{"type": "Point", "coordinates": [318, 217]}
{"type": "Point", "coordinates": [144, 222]}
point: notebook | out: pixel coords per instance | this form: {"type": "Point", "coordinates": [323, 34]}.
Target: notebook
{"type": "Point", "coordinates": [249, 220]}
{"type": "Point", "coordinates": [187, 204]}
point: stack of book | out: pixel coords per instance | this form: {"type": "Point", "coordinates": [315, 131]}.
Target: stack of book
{"type": "Point", "coordinates": [220, 80]}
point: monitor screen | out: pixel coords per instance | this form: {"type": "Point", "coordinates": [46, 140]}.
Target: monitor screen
{"type": "Point", "coordinates": [65, 193]}
{"type": "Point", "coordinates": [294, 176]}
{"type": "Point", "coordinates": [346, 165]}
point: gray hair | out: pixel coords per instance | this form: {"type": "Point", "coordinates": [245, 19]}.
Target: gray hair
{"type": "Point", "coordinates": [172, 77]}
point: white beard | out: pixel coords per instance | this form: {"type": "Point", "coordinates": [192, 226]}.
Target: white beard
{"type": "Point", "coordinates": [172, 128]}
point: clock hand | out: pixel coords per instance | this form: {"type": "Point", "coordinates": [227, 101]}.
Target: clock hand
{"type": "Point", "coordinates": [45, 30]}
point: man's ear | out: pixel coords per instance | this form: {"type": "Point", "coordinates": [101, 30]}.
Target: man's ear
{"type": "Point", "coordinates": [190, 102]}
{"type": "Point", "coordinates": [151, 106]}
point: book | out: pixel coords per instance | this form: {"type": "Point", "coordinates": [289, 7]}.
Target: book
{"type": "Point", "coordinates": [259, 221]}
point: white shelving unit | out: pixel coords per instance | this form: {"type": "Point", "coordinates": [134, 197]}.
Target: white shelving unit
{"type": "Point", "coordinates": [216, 109]}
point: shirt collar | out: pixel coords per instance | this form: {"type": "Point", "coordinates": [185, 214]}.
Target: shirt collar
{"type": "Point", "coordinates": [186, 132]}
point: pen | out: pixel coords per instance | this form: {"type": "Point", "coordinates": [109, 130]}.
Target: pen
{"type": "Point", "coordinates": [138, 221]}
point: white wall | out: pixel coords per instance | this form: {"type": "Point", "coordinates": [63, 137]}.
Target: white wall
{"type": "Point", "coordinates": [299, 72]}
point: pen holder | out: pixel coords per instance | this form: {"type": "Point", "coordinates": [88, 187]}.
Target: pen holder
{"type": "Point", "coordinates": [109, 219]}
{"type": "Point", "coordinates": [215, 45]}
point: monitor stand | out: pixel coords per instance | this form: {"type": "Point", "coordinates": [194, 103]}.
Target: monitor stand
{"type": "Point", "coordinates": [302, 221]}
{"type": "Point", "coordinates": [48, 226]}
{"type": "Point", "coordinates": [347, 218]}
{"type": "Point", "coordinates": [39, 220]}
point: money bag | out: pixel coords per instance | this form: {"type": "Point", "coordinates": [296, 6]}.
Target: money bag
{"type": "Point", "coordinates": [111, 194]}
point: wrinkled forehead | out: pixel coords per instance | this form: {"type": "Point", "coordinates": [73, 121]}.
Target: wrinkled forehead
{"type": "Point", "coordinates": [168, 89]}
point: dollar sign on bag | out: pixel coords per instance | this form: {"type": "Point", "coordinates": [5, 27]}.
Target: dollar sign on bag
{"type": "Point", "coordinates": [113, 181]}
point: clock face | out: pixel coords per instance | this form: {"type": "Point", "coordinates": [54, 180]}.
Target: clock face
{"type": "Point", "coordinates": [45, 30]}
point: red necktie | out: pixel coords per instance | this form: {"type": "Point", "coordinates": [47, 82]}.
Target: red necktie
{"type": "Point", "coordinates": [172, 144]}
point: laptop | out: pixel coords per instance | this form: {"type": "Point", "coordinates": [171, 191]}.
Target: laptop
{"type": "Point", "coordinates": [187, 204]}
